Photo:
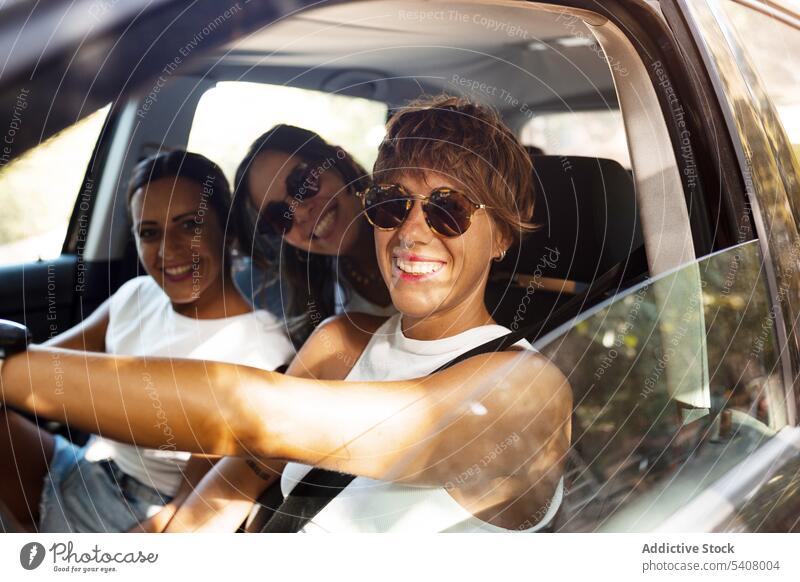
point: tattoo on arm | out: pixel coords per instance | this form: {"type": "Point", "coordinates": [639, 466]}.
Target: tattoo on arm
{"type": "Point", "coordinates": [259, 471]}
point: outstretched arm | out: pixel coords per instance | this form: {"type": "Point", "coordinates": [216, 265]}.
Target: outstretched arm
{"type": "Point", "coordinates": [207, 407]}
{"type": "Point", "coordinates": [420, 431]}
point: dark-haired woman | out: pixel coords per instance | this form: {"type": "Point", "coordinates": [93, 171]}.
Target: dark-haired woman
{"type": "Point", "coordinates": [296, 209]}
{"type": "Point", "coordinates": [310, 254]}
{"type": "Point", "coordinates": [184, 307]}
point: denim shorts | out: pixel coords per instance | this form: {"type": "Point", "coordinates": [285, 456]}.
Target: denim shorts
{"type": "Point", "coordinates": [92, 496]}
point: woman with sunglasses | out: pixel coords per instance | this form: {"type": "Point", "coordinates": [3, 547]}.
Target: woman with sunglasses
{"type": "Point", "coordinates": [309, 253]}
{"type": "Point", "coordinates": [313, 254]}
{"type": "Point", "coordinates": [479, 446]}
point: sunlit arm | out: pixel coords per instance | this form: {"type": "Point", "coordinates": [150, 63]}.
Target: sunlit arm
{"type": "Point", "coordinates": [398, 430]}
{"type": "Point", "coordinates": [213, 408]}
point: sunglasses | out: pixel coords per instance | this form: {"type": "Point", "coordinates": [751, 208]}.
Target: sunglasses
{"type": "Point", "coordinates": [302, 183]}
{"type": "Point", "coordinates": [447, 212]}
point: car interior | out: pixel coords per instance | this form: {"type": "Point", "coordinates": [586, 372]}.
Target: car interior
{"type": "Point", "coordinates": [608, 224]}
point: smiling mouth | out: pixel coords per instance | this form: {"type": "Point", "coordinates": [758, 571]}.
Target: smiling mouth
{"type": "Point", "coordinates": [325, 224]}
{"type": "Point", "coordinates": [178, 272]}
{"type": "Point", "coordinates": [416, 269]}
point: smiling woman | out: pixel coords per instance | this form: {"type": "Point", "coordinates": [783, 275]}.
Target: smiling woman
{"type": "Point", "coordinates": [185, 307]}
{"type": "Point", "coordinates": [473, 177]}
{"type": "Point", "coordinates": [298, 215]}
{"type": "Point", "coordinates": [182, 245]}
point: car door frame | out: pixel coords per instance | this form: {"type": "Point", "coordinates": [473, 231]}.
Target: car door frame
{"type": "Point", "coordinates": [770, 173]}
{"type": "Point", "coordinates": [768, 178]}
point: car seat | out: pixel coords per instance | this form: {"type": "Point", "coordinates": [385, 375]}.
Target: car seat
{"type": "Point", "coordinates": [588, 223]}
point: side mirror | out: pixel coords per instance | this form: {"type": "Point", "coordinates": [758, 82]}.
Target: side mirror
{"type": "Point", "coordinates": [14, 338]}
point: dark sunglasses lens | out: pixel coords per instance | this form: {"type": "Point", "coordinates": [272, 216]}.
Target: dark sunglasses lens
{"type": "Point", "coordinates": [448, 212]}
{"type": "Point", "coordinates": [386, 206]}
{"type": "Point", "coordinates": [302, 182]}
{"type": "Point", "coordinates": [275, 219]}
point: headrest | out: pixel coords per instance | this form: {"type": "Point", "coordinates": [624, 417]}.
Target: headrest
{"type": "Point", "coordinates": [586, 209]}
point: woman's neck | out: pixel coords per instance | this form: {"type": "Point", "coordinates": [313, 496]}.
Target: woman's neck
{"type": "Point", "coordinates": [446, 323]}
{"type": "Point", "coordinates": [218, 301]}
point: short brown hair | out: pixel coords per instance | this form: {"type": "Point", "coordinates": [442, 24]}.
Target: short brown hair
{"type": "Point", "coordinates": [468, 142]}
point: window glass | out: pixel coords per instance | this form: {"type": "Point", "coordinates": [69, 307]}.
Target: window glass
{"type": "Point", "coordinates": [767, 41]}
{"type": "Point", "coordinates": [673, 384]}
{"type": "Point", "coordinates": [232, 115]}
{"type": "Point", "coordinates": [599, 134]}
{"type": "Point", "coordinates": [38, 192]}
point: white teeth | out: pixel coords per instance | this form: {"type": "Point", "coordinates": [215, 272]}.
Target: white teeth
{"type": "Point", "coordinates": [175, 271]}
{"type": "Point", "coordinates": [324, 224]}
{"type": "Point", "coordinates": [418, 267]}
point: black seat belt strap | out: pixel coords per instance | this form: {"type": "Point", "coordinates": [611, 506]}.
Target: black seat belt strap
{"type": "Point", "coordinates": [310, 496]}
{"type": "Point", "coordinates": [318, 488]}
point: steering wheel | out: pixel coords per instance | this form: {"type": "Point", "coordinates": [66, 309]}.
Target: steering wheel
{"type": "Point", "coordinates": [14, 338]}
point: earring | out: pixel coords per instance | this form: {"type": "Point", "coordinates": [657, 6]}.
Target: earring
{"type": "Point", "coordinates": [501, 257]}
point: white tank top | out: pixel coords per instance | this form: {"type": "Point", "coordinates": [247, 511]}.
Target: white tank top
{"type": "Point", "coordinates": [369, 505]}
{"type": "Point", "coordinates": [347, 299]}
{"type": "Point", "coordinates": [142, 322]}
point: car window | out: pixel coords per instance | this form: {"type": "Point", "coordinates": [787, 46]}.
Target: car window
{"type": "Point", "coordinates": [231, 115]}
{"type": "Point", "coordinates": [598, 134]}
{"type": "Point", "coordinates": [673, 384]}
{"type": "Point", "coordinates": [766, 40]}
{"type": "Point", "coordinates": [38, 190]}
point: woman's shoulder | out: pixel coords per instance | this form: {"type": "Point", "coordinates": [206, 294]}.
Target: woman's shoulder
{"type": "Point", "coordinates": [348, 300]}
{"type": "Point", "coordinates": [357, 321]}
{"type": "Point", "coordinates": [351, 331]}
{"type": "Point", "coordinates": [336, 344]}
{"type": "Point", "coordinates": [142, 289]}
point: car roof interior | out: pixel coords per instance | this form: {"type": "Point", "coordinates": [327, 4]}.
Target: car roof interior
{"type": "Point", "coordinates": [393, 51]}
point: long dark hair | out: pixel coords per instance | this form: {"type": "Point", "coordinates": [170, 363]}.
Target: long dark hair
{"type": "Point", "coordinates": [195, 167]}
{"type": "Point", "coordinates": [305, 280]}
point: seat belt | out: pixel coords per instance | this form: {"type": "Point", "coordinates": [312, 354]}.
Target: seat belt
{"type": "Point", "coordinates": [319, 487]}
{"type": "Point", "coordinates": [310, 496]}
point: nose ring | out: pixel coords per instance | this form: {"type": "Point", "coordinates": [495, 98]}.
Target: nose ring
{"type": "Point", "coordinates": [406, 243]}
